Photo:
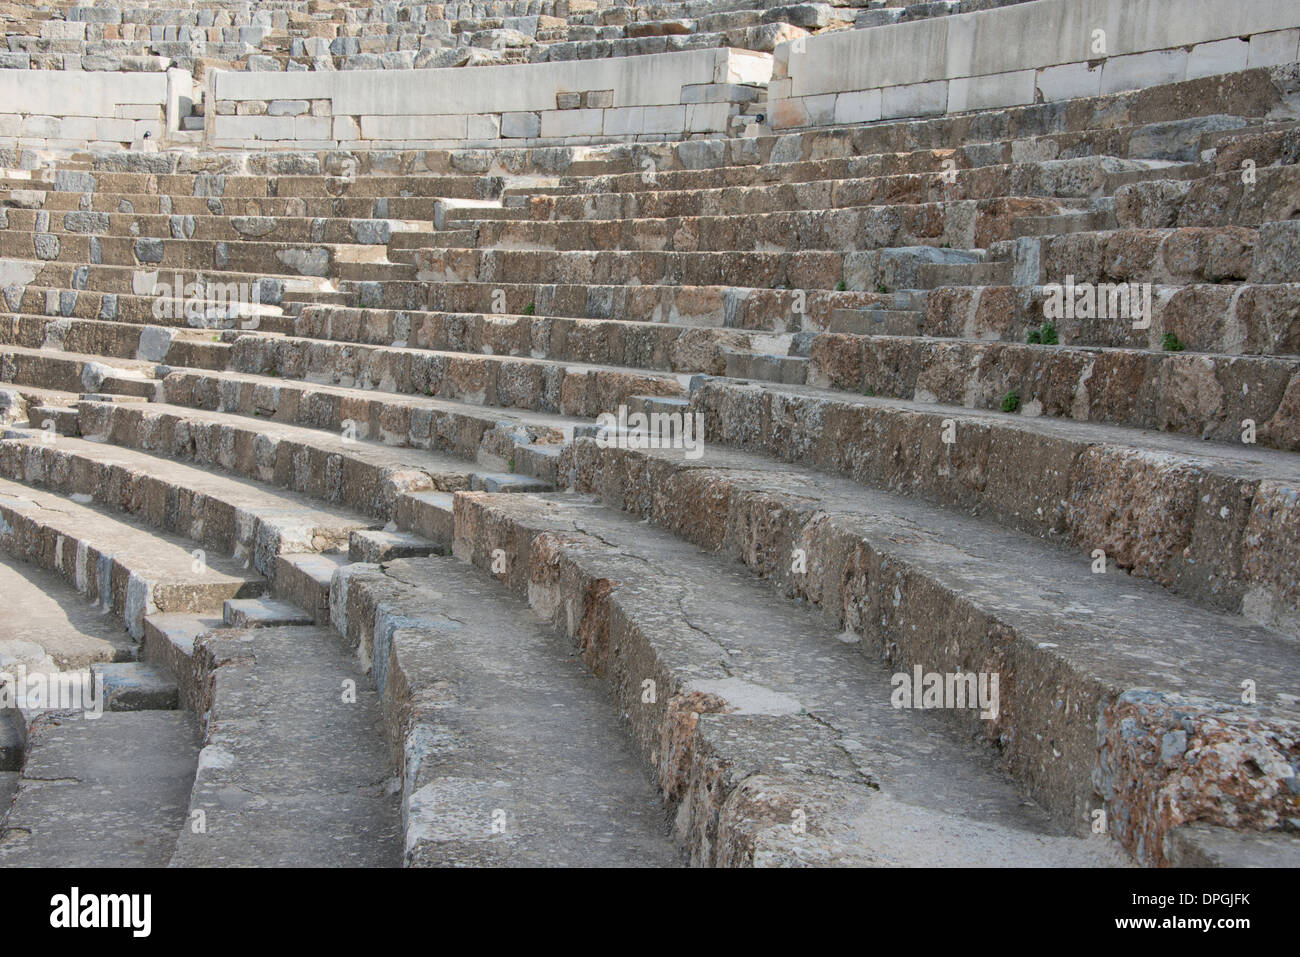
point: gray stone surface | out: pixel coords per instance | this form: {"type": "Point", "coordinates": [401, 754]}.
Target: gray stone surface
{"type": "Point", "coordinates": [107, 792]}
{"type": "Point", "coordinates": [1201, 845]}
{"type": "Point", "coordinates": [290, 773]}
{"type": "Point", "coordinates": [56, 622]}
{"type": "Point", "coordinates": [525, 736]}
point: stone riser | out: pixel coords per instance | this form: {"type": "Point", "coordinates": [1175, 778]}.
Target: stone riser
{"type": "Point", "coordinates": [206, 226]}
{"type": "Point", "coordinates": [103, 574]}
{"type": "Point", "coordinates": [503, 382]}
{"type": "Point", "coordinates": [736, 307]}
{"type": "Point", "coordinates": [1224, 318]}
{"type": "Point", "coordinates": [253, 534]}
{"type": "Point", "coordinates": [1204, 396]}
{"type": "Point", "coordinates": [868, 585]}
{"type": "Point", "coordinates": [353, 481]}
{"type": "Point", "coordinates": [1082, 178]}
{"type": "Point", "coordinates": [116, 339]}
{"type": "Point", "coordinates": [1213, 530]}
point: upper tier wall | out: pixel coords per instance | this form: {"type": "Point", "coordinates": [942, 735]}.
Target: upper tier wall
{"type": "Point", "coordinates": [662, 96]}
{"type": "Point", "coordinates": [1033, 52]}
{"type": "Point", "coordinates": [48, 109]}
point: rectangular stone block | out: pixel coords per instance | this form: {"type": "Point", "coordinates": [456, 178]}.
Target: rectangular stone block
{"type": "Point", "coordinates": [287, 107]}
{"type": "Point", "coordinates": [915, 99]}
{"type": "Point", "coordinates": [598, 99]}
{"type": "Point", "coordinates": [567, 101]}
{"type": "Point", "coordinates": [862, 106]}
{"type": "Point", "coordinates": [663, 119]}
{"type": "Point", "coordinates": [483, 126]}
{"type": "Point", "coordinates": [1219, 56]}
{"type": "Point", "coordinates": [572, 123]}
{"type": "Point", "coordinates": [345, 128]}
{"type": "Point", "coordinates": [1069, 81]}
{"type": "Point", "coordinates": [313, 127]}
{"type": "Point", "coordinates": [624, 121]}
{"type": "Point", "coordinates": [413, 127]}
{"type": "Point", "coordinates": [991, 92]}
{"type": "Point", "coordinates": [1141, 70]}
{"type": "Point", "coordinates": [520, 125]}
{"type": "Point", "coordinates": [1274, 49]}
{"type": "Point", "coordinates": [707, 117]}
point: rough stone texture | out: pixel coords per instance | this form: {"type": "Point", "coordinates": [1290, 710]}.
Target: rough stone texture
{"type": "Point", "coordinates": [848, 310]}
{"type": "Point", "coordinates": [471, 683]}
{"type": "Point", "coordinates": [107, 792]}
{"type": "Point", "coordinates": [289, 780]}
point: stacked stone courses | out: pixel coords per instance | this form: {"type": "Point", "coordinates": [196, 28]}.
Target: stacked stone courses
{"type": "Point", "coordinates": [323, 366]}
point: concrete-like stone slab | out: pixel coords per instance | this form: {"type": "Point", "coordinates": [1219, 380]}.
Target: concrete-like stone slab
{"type": "Point", "coordinates": [107, 792]}
{"type": "Point", "coordinates": [293, 770]}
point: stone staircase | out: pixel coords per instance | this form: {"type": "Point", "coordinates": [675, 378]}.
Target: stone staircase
{"type": "Point", "coordinates": [155, 35]}
{"type": "Point", "coordinates": [311, 469]}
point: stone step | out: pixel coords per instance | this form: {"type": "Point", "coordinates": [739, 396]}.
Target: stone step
{"type": "Point", "coordinates": [1041, 607]}
{"type": "Point", "coordinates": [115, 559]}
{"type": "Point", "coordinates": [77, 372]}
{"type": "Point", "coordinates": [1203, 395]}
{"type": "Point", "coordinates": [740, 736]}
{"type": "Point", "coordinates": [222, 184]}
{"type": "Point", "coordinates": [115, 339]}
{"type": "Point", "coordinates": [197, 316]}
{"type": "Point", "coordinates": [304, 578]}
{"type": "Point", "coordinates": [1218, 200]}
{"type": "Point", "coordinates": [1173, 256]}
{"type": "Point", "coordinates": [171, 644]}
{"type": "Point", "coordinates": [659, 346]}
{"type": "Point", "coordinates": [1212, 522]}
{"type": "Point", "coordinates": [540, 773]}
{"type": "Point", "coordinates": [733, 306]}
{"type": "Point", "coordinates": [872, 183]}
{"type": "Point", "coordinates": [134, 686]}
{"type": "Point", "coordinates": [1057, 224]}
{"type": "Point", "coordinates": [262, 613]}
{"type": "Point", "coordinates": [901, 148]}
{"type": "Point", "coordinates": [930, 275]}
{"type": "Point", "coordinates": [58, 629]}
{"type": "Point", "coordinates": [290, 258]}
{"type": "Point", "coordinates": [234, 517]}
{"type": "Point", "coordinates": [147, 283]}
{"type": "Point", "coordinates": [877, 322]}
{"type": "Point", "coordinates": [289, 777]}
{"type": "Point", "coordinates": [490, 438]}
{"type": "Point", "coordinates": [217, 227]}
{"type": "Point", "coordinates": [377, 546]}
{"type": "Point", "coordinates": [791, 370]}
{"type": "Point", "coordinates": [515, 382]}
{"type": "Point", "coordinates": [405, 208]}
{"type": "Point", "coordinates": [1225, 318]}
{"type": "Point", "coordinates": [962, 224]}
{"type": "Point", "coordinates": [360, 476]}
{"type": "Point", "coordinates": [104, 792]}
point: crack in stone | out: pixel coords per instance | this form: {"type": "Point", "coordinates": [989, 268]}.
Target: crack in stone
{"type": "Point", "coordinates": [868, 777]}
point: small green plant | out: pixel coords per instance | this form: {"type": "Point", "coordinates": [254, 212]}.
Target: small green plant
{"type": "Point", "coordinates": [1172, 343]}
{"type": "Point", "coordinates": [512, 465]}
{"type": "Point", "coordinates": [870, 393]}
{"type": "Point", "coordinates": [882, 288]}
{"type": "Point", "coordinates": [530, 309]}
{"type": "Point", "coordinates": [1045, 335]}
{"type": "Point", "coordinates": [1011, 401]}
{"type": "Point", "coordinates": [840, 286]}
